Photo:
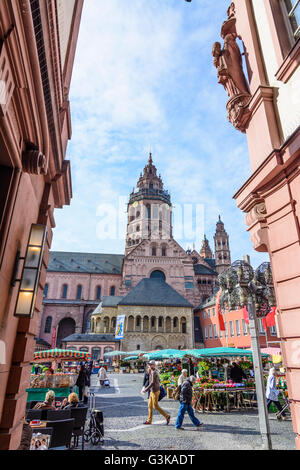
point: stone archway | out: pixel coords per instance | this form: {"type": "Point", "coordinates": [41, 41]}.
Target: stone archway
{"type": "Point", "coordinates": [66, 327]}
{"type": "Point", "coordinates": [159, 342]}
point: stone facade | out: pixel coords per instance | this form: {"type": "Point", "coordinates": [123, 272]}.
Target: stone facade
{"type": "Point", "coordinates": [35, 178]}
{"type": "Point", "coordinates": [148, 327]}
{"type": "Point", "coordinates": [270, 198]}
{"type": "Point", "coordinates": [150, 251]}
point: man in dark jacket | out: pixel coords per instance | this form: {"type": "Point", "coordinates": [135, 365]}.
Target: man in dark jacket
{"type": "Point", "coordinates": [186, 396]}
{"type": "Point", "coordinates": [236, 373]}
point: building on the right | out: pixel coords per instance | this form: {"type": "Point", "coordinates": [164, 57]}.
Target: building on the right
{"type": "Point", "coordinates": [263, 85]}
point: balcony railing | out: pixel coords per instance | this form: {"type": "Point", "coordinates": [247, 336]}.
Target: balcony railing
{"type": "Point", "coordinates": [149, 193]}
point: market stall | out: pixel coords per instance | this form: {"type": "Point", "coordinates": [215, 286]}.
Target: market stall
{"type": "Point", "coordinates": [213, 390]}
{"type": "Point", "coordinates": [60, 380]}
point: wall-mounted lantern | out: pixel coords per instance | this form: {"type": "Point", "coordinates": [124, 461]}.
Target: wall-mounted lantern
{"type": "Point", "coordinates": [31, 272]}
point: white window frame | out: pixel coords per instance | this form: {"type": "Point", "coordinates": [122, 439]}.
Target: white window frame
{"type": "Point", "coordinates": [205, 332]}
{"type": "Point", "coordinates": [231, 328]}
{"type": "Point", "coordinates": [273, 331]}
{"type": "Point", "coordinates": [210, 332]}
{"type": "Point", "coordinates": [293, 35]}
{"type": "Point", "coordinates": [238, 327]}
{"type": "Point", "coordinates": [215, 331]}
{"type": "Point", "coordinates": [245, 329]}
{"type": "Point", "coordinates": [260, 327]}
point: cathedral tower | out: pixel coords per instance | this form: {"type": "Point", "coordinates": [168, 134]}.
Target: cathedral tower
{"type": "Point", "coordinates": [149, 210]}
{"type": "Point", "coordinates": [222, 250]}
{"type": "Point", "coordinates": [205, 250]}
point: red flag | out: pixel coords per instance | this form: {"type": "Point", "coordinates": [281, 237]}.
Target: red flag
{"type": "Point", "coordinates": [246, 315]}
{"type": "Point", "coordinates": [264, 323]}
{"type": "Point", "coordinates": [270, 318]}
{"type": "Point", "coordinates": [219, 313]}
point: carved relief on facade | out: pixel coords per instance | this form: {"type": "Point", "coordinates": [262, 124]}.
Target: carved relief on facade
{"type": "Point", "coordinates": [34, 162]}
{"type": "Point", "coordinates": [257, 226]}
{"type": "Point", "coordinates": [229, 65]}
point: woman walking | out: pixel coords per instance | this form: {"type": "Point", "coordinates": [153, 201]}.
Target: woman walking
{"type": "Point", "coordinates": [81, 381]}
{"type": "Point", "coordinates": [272, 392]}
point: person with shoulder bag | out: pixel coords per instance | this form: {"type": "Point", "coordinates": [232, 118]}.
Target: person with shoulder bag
{"type": "Point", "coordinates": [155, 391]}
{"type": "Point", "coordinates": [186, 396]}
{"type": "Point", "coordinates": [181, 379]}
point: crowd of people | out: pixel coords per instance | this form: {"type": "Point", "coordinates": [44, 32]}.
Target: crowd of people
{"type": "Point", "coordinates": [184, 392]}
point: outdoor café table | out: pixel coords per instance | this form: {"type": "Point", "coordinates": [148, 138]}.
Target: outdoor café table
{"type": "Point", "coordinates": [42, 425]}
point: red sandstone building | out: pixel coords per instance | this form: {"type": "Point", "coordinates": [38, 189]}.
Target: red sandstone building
{"type": "Point", "coordinates": [264, 103]}
{"type": "Point", "coordinates": [77, 282]}
{"type": "Point", "coordinates": [236, 334]}
{"type": "Point", "coordinates": [37, 47]}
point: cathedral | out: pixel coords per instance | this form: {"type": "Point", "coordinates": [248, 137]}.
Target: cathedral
{"type": "Point", "coordinates": [156, 284]}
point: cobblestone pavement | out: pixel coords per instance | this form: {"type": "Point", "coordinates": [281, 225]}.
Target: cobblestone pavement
{"type": "Point", "coordinates": [125, 410]}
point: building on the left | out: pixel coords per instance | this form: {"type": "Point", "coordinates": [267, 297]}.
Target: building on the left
{"type": "Point", "coordinates": [37, 47]}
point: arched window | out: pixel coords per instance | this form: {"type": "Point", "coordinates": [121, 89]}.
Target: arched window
{"type": "Point", "coordinates": [138, 347]}
{"type": "Point", "coordinates": [158, 275]}
{"type": "Point", "coordinates": [46, 291]}
{"type": "Point", "coordinates": [175, 322]}
{"type": "Point", "coordinates": [83, 349]}
{"type": "Point", "coordinates": [64, 291]}
{"type": "Point", "coordinates": [98, 293]}
{"type": "Point", "coordinates": [96, 354]}
{"type": "Point", "coordinates": [48, 325]}
{"type": "Point", "coordinates": [79, 292]}
{"type": "Point", "coordinates": [148, 211]}
{"type": "Point", "coordinates": [113, 291]}
{"type": "Point", "coordinates": [164, 251]}
{"type": "Point", "coordinates": [153, 251]}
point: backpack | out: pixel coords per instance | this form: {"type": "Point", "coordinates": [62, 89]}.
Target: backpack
{"type": "Point", "coordinates": [162, 394]}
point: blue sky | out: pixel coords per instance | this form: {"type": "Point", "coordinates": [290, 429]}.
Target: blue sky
{"type": "Point", "coordinates": [143, 78]}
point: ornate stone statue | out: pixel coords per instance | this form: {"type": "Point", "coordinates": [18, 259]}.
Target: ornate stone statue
{"type": "Point", "coordinates": [229, 65]}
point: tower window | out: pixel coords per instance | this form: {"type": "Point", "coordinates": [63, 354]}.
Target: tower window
{"type": "Point", "coordinates": [46, 291]}
{"type": "Point", "coordinates": [64, 291]}
{"type": "Point", "coordinates": [154, 251]}
{"type": "Point", "coordinates": [98, 293]}
{"type": "Point", "coordinates": [163, 251]}
{"type": "Point", "coordinates": [48, 325]}
{"type": "Point", "coordinates": [79, 293]}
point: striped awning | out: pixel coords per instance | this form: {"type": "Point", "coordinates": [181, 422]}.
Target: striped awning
{"type": "Point", "coordinates": [61, 354]}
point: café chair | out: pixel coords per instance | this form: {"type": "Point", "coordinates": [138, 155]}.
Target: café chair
{"type": "Point", "coordinates": [31, 415]}
{"type": "Point", "coordinates": [62, 433]}
{"type": "Point", "coordinates": [79, 415]}
{"type": "Point", "coordinates": [58, 415]}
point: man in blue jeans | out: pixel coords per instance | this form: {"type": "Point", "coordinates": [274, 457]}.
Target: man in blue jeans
{"type": "Point", "coordinates": [186, 396]}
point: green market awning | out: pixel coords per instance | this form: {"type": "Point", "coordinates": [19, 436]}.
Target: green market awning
{"type": "Point", "coordinates": [123, 353]}
{"type": "Point", "coordinates": [164, 354]}
{"type": "Point", "coordinates": [221, 352]}
{"type": "Point", "coordinates": [61, 354]}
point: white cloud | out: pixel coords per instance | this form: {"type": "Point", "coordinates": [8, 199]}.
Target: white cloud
{"type": "Point", "coordinates": [144, 77]}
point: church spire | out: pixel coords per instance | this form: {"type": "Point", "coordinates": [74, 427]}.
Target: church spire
{"type": "Point", "coordinates": [222, 250]}
{"type": "Point", "coordinates": [205, 250]}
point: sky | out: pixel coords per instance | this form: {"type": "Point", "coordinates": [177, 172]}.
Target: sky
{"type": "Point", "coordinates": [143, 81]}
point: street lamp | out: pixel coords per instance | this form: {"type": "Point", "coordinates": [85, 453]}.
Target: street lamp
{"type": "Point", "coordinates": [242, 286]}
{"type": "Point", "coordinates": [31, 271]}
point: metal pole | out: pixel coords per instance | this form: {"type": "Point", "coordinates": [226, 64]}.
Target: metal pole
{"type": "Point", "coordinates": [259, 378]}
